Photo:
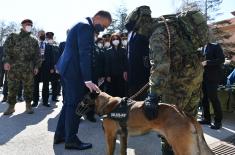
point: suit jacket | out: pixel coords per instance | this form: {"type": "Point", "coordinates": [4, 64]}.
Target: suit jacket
{"type": "Point", "coordinates": [138, 60]}
{"type": "Point", "coordinates": [115, 62]}
{"type": "Point", "coordinates": [74, 65]}
{"type": "Point", "coordinates": [215, 58]}
{"type": "Point", "coordinates": [61, 50]}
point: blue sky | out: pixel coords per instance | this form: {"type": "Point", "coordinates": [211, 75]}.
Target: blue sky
{"type": "Point", "coordinates": [59, 15]}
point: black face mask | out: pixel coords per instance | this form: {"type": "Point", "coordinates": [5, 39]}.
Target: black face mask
{"type": "Point", "coordinates": [98, 28]}
{"type": "Point", "coordinates": [42, 38]}
{"type": "Point", "coordinates": [130, 26]}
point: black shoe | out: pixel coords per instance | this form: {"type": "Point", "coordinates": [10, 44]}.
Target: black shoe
{"type": "Point", "coordinates": [205, 122]}
{"type": "Point", "coordinates": [35, 104]}
{"type": "Point", "coordinates": [216, 126]}
{"type": "Point", "coordinates": [58, 140]}
{"type": "Point", "coordinates": [91, 119]}
{"type": "Point", "coordinates": [78, 146]}
{"type": "Point", "coordinates": [46, 105]}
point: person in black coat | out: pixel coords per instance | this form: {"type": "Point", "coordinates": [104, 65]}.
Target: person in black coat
{"type": "Point", "coordinates": [138, 64]}
{"type": "Point", "coordinates": [214, 58]}
{"type": "Point", "coordinates": [116, 67]}
{"type": "Point", "coordinates": [44, 71]}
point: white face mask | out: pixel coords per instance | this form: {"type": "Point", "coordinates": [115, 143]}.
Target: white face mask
{"type": "Point", "coordinates": [100, 45]}
{"type": "Point", "coordinates": [124, 42]}
{"type": "Point", "coordinates": [107, 44]}
{"type": "Point", "coordinates": [50, 41]}
{"type": "Point", "coordinates": [28, 28]}
{"type": "Point", "coordinates": [115, 42]}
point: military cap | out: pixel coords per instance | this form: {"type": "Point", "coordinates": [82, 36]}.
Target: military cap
{"type": "Point", "coordinates": [107, 35]}
{"type": "Point", "coordinates": [27, 21]}
{"type": "Point", "coordinates": [50, 35]}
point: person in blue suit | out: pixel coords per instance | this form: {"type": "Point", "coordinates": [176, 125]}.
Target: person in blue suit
{"type": "Point", "coordinates": [75, 69]}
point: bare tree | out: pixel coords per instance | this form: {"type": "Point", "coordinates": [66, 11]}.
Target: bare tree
{"type": "Point", "coordinates": [118, 24]}
{"type": "Point", "coordinates": [209, 7]}
{"type": "Point", "coordinates": [6, 29]}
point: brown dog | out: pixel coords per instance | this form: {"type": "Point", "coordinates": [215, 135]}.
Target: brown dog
{"type": "Point", "coordinates": [182, 132]}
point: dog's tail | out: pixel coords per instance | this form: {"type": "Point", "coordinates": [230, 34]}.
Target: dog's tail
{"type": "Point", "coordinates": [203, 147]}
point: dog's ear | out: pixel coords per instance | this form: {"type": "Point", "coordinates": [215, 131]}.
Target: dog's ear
{"type": "Point", "coordinates": [94, 94]}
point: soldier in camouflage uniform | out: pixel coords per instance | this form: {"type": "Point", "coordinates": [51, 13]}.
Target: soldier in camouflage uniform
{"type": "Point", "coordinates": [176, 71]}
{"type": "Point", "coordinates": [21, 60]}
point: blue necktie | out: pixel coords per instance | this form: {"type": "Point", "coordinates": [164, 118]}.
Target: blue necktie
{"type": "Point", "coordinates": [41, 45]}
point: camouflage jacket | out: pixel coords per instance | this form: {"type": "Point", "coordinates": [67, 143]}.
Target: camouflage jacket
{"type": "Point", "coordinates": [21, 51]}
{"type": "Point", "coordinates": [179, 68]}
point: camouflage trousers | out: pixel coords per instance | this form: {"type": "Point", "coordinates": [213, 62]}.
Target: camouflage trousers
{"type": "Point", "coordinates": [187, 101]}
{"type": "Point", "coordinates": [14, 83]}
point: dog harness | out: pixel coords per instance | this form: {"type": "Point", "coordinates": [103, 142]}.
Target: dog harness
{"type": "Point", "coordinates": [121, 112]}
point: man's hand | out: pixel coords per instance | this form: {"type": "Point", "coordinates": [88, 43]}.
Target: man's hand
{"type": "Point", "coordinates": [52, 71]}
{"type": "Point", "coordinates": [91, 86]}
{"type": "Point", "coordinates": [108, 79]}
{"type": "Point", "coordinates": [204, 63]}
{"type": "Point", "coordinates": [35, 71]}
{"type": "Point", "coordinates": [125, 76]}
{"type": "Point", "coordinates": [7, 66]}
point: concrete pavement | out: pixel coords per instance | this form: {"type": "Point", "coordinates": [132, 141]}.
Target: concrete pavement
{"type": "Point", "coordinates": [26, 134]}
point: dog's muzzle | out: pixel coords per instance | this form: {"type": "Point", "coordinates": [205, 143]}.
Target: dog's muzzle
{"type": "Point", "coordinates": [82, 109]}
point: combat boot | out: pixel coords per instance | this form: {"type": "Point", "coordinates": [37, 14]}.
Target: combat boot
{"type": "Point", "coordinates": [10, 110]}
{"type": "Point", "coordinates": [29, 109]}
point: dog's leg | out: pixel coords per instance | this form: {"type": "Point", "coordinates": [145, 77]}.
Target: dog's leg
{"type": "Point", "coordinates": [110, 131]}
{"type": "Point", "coordinates": [123, 142]}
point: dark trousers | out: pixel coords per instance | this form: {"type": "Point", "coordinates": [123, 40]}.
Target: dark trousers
{"type": "Point", "coordinates": [5, 88]}
{"type": "Point", "coordinates": [68, 123]}
{"type": "Point", "coordinates": [210, 94]}
{"type": "Point", "coordinates": [45, 88]}
{"type": "Point", "coordinates": [117, 86]}
{"type": "Point", "coordinates": [56, 85]}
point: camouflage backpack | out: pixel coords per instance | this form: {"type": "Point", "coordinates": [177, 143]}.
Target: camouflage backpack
{"type": "Point", "coordinates": [184, 34]}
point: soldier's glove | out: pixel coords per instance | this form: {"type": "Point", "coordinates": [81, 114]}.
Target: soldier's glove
{"type": "Point", "coordinates": [151, 106]}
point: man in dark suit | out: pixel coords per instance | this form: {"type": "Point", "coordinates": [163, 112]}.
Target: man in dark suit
{"type": "Point", "coordinates": [74, 67]}
{"type": "Point", "coordinates": [214, 58]}
{"type": "Point", "coordinates": [138, 64]}
{"type": "Point", "coordinates": [44, 71]}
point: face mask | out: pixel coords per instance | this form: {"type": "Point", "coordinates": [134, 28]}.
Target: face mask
{"type": "Point", "coordinates": [124, 42]}
{"type": "Point", "coordinates": [50, 41]}
{"type": "Point", "coordinates": [42, 38]}
{"type": "Point", "coordinates": [98, 28]}
{"type": "Point", "coordinates": [115, 42]}
{"type": "Point", "coordinates": [100, 45]}
{"type": "Point", "coordinates": [107, 44]}
{"type": "Point", "coordinates": [28, 28]}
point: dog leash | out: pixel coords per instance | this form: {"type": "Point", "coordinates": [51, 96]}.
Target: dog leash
{"type": "Point", "coordinates": [140, 91]}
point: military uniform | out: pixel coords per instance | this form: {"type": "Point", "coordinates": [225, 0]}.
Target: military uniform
{"type": "Point", "coordinates": [176, 70]}
{"type": "Point", "coordinates": [22, 53]}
